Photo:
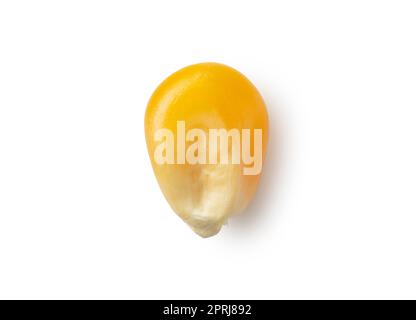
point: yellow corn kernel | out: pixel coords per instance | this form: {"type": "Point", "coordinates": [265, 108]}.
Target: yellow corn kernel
{"type": "Point", "coordinates": [204, 177]}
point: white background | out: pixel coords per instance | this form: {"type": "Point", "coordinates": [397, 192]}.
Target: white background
{"type": "Point", "coordinates": [81, 214]}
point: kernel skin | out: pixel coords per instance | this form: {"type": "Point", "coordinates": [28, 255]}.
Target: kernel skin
{"type": "Point", "coordinates": [206, 95]}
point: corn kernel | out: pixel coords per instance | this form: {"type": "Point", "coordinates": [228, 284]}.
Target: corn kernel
{"type": "Point", "coordinates": [206, 130]}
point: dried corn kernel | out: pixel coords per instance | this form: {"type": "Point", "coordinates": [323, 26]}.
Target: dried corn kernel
{"type": "Point", "coordinates": [206, 130]}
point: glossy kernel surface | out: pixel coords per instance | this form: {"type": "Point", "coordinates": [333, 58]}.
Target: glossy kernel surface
{"type": "Point", "coordinates": [205, 96]}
